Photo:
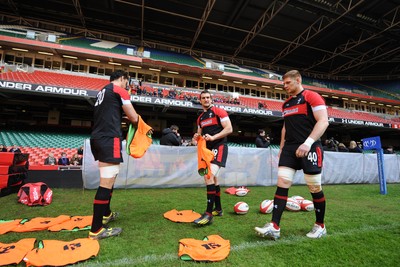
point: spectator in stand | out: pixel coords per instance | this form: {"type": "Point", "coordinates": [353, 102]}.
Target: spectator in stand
{"type": "Point", "coordinates": [388, 150]}
{"type": "Point", "coordinates": [342, 148]}
{"type": "Point", "coordinates": [260, 105]}
{"type": "Point", "coordinates": [3, 148]}
{"type": "Point", "coordinates": [172, 93]}
{"type": "Point", "coordinates": [15, 149]}
{"type": "Point", "coordinates": [330, 145]}
{"type": "Point", "coordinates": [187, 142]}
{"type": "Point", "coordinates": [171, 137]}
{"type": "Point", "coordinates": [50, 160]}
{"type": "Point", "coordinates": [139, 90]}
{"type": "Point", "coordinates": [63, 160]}
{"type": "Point", "coordinates": [80, 150]}
{"type": "Point", "coordinates": [354, 148]}
{"type": "Point", "coordinates": [144, 91]}
{"type": "Point", "coordinates": [262, 140]}
{"type": "Point", "coordinates": [75, 160]}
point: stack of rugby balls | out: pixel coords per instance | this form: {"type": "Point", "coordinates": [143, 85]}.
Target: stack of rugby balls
{"type": "Point", "coordinates": [296, 203]}
{"type": "Point", "coordinates": [292, 204]}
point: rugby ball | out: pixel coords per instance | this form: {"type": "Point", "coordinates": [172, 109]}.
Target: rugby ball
{"type": "Point", "coordinates": [267, 206]}
{"type": "Point", "coordinates": [292, 205]}
{"type": "Point", "coordinates": [298, 198]}
{"type": "Point", "coordinates": [307, 205]}
{"type": "Point", "coordinates": [241, 208]}
{"type": "Point", "coordinates": [241, 191]}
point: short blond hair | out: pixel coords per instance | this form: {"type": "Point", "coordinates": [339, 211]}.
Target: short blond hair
{"type": "Point", "coordinates": [292, 74]}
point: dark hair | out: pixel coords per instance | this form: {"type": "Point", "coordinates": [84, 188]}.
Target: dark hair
{"type": "Point", "coordinates": [174, 127]}
{"type": "Point", "coordinates": [205, 92]}
{"type": "Point", "coordinates": [118, 74]}
{"type": "Point", "coordinates": [260, 131]}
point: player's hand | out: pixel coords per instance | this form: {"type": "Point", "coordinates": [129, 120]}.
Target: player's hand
{"type": "Point", "coordinates": [208, 137]}
{"type": "Point", "coordinates": [196, 136]}
{"type": "Point", "coordinates": [302, 151]}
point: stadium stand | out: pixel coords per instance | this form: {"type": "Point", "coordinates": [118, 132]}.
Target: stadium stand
{"type": "Point", "coordinates": [94, 44]}
{"type": "Point", "coordinates": [71, 80]}
{"type": "Point", "coordinates": [355, 115]}
{"type": "Point", "coordinates": [172, 57]}
{"type": "Point", "coordinates": [374, 89]}
{"type": "Point", "coordinates": [74, 80]}
{"type": "Point", "coordinates": [40, 144]}
{"type": "Point", "coordinates": [358, 88]}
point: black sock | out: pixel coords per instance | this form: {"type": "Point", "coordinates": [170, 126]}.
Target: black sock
{"type": "Point", "coordinates": [280, 199]}
{"type": "Point", "coordinates": [101, 200]}
{"type": "Point", "coordinates": [210, 197]}
{"type": "Point", "coordinates": [108, 210]}
{"type": "Point", "coordinates": [319, 207]}
{"type": "Point", "coordinates": [218, 198]}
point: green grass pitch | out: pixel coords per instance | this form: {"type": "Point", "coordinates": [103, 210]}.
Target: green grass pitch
{"type": "Point", "coordinates": [363, 227]}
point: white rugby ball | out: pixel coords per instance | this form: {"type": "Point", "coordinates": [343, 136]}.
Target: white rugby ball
{"type": "Point", "coordinates": [241, 192]}
{"type": "Point", "coordinates": [298, 198]}
{"type": "Point", "coordinates": [292, 205]}
{"type": "Point", "coordinates": [307, 205]}
{"type": "Point", "coordinates": [266, 206]}
{"type": "Point", "coordinates": [241, 208]}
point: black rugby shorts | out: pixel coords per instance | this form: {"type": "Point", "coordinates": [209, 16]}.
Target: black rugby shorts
{"type": "Point", "coordinates": [220, 155]}
{"type": "Point", "coordinates": [311, 164]}
{"type": "Point", "coordinates": [107, 149]}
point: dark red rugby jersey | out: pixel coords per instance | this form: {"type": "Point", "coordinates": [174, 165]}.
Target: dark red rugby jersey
{"type": "Point", "coordinates": [210, 123]}
{"type": "Point", "coordinates": [298, 115]}
{"type": "Point", "coordinates": [108, 111]}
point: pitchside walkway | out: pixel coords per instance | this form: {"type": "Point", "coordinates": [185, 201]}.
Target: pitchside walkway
{"type": "Point", "coordinates": [39, 144]}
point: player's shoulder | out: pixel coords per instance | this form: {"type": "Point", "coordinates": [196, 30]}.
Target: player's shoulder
{"type": "Point", "coordinates": [307, 92]}
{"type": "Point", "coordinates": [219, 111]}
{"type": "Point", "coordinates": [120, 91]}
{"type": "Point", "coordinates": [311, 95]}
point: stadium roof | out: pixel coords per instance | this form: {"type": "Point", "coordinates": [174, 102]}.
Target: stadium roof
{"type": "Point", "coordinates": [322, 38]}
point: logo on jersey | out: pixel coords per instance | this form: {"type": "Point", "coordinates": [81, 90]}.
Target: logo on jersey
{"type": "Point", "coordinates": [299, 100]}
{"type": "Point", "coordinates": [206, 122]}
{"type": "Point", "coordinates": [100, 97]}
{"type": "Point", "coordinates": [290, 111]}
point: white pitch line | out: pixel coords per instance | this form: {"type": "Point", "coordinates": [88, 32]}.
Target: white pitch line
{"type": "Point", "coordinates": [243, 246]}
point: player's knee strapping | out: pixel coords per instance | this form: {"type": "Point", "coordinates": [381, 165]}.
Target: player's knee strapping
{"type": "Point", "coordinates": [313, 182]}
{"type": "Point", "coordinates": [215, 169]}
{"type": "Point", "coordinates": [286, 173]}
{"type": "Point", "coordinates": [109, 171]}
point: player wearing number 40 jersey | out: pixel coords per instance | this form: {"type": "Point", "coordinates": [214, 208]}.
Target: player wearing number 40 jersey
{"type": "Point", "coordinates": [305, 121]}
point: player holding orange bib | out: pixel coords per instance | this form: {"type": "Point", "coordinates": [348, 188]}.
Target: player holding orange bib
{"type": "Point", "coordinates": [214, 125]}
